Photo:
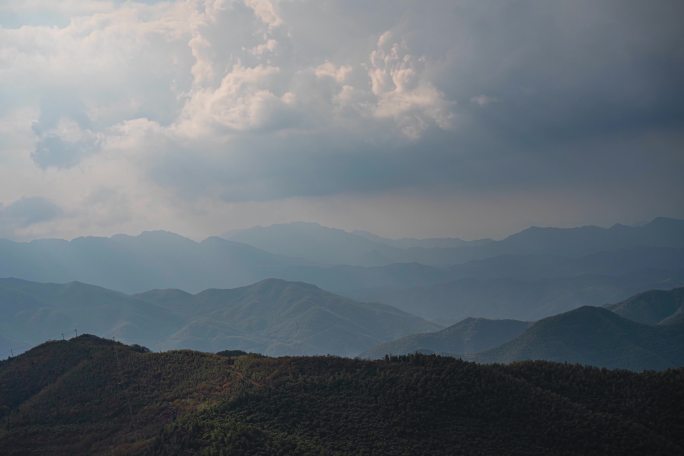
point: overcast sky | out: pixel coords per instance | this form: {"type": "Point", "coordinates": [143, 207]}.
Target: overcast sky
{"type": "Point", "coordinates": [405, 118]}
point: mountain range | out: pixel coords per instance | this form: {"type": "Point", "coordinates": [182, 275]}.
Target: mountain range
{"type": "Point", "coordinates": [93, 396]}
{"type": "Point", "coordinates": [334, 246]}
{"type": "Point", "coordinates": [277, 317]}
{"type": "Point", "coordinates": [594, 336]}
{"type": "Point", "coordinates": [530, 275]}
{"type": "Point", "coordinates": [271, 317]}
{"type": "Point", "coordinates": [643, 332]}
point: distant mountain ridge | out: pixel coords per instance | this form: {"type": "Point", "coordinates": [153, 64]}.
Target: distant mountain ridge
{"type": "Point", "coordinates": [642, 332]}
{"type": "Point", "coordinates": [514, 278]}
{"type": "Point", "coordinates": [271, 317]}
{"type": "Point", "coordinates": [653, 307]}
{"type": "Point", "coordinates": [156, 259]}
{"type": "Point", "coordinates": [594, 336]}
{"type": "Point", "coordinates": [334, 246]}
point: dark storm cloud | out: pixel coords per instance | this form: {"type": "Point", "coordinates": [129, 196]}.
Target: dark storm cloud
{"type": "Point", "coordinates": [543, 93]}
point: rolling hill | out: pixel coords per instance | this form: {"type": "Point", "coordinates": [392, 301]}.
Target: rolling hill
{"type": "Point", "coordinates": [38, 311]}
{"type": "Point", "coordinates": [93, 396]}
{"type": "Point", "coordinates": [271, 317]}
{"type": "Point", "coordinates": [594, 336]}
{"type": "Point", "coordinates": [471, 335]}
{"type": "Point", "coordinates": [277, 317]}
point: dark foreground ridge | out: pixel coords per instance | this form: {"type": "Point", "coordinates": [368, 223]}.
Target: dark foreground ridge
{"type": "Point", "coordinates": [94, 396]}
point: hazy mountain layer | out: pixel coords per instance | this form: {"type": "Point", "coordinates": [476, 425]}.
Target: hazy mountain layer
{"type": "Point", "coordinates": [272, 317]}
{"type": "Point", "coordinates": [471, 335]}
{"type": "Point", "coordinates": [91, 396]}
{"type": "Point", "coordinates": [334, 246]}
{"type": "Point", "coordinates": [278, 318]}
{"type": "Point", "coordinates": [138, 263]}
{"type": "Point", "coordinates": [164, 260]}
{"type": "Point", "coordinates": [652, 307]}
{"type": "Point", "coordinates": [594, 336]}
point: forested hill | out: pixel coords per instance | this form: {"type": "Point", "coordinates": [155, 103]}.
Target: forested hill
{"type": "Point", "coordinates": [93, 396]}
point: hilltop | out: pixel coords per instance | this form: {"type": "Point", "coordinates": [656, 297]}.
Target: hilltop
{"type": "Point", "coordinates": [93, 396]}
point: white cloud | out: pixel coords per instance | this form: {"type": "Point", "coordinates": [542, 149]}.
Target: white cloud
{"type": "Point", "coordinates": [242, 101]}
{"type": "Point", "coordinates": [265, 10]}
{"type": "Point", "coordinates": [402, 91]}
{"type": "Point", "coordinates": [329, 70]}
{"type": "Point", "coordinates": [270, 45]}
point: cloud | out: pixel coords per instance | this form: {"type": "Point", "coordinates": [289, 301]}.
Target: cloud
{"type": "Point", "coordinates": [244, 100]}
{"type": "Point", "coordinates": [265, 11]}
{"type": "Point", "coordinates": [403, 93]}
{"type": "Point", "coordinates": [220, 108]}
{"type": "Point", "coordinates": [26, 212]}
{"type": "Point", "coordinates": [63, 145]}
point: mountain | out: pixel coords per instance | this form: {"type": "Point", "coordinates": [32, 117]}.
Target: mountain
{"type": "Point", "coordinates": [594, 336]}
{"type": "Point", "coordinates": [137, 263]}
{"type": "Point", "coordinates": [278, 317]}
{"type": "Point", "coordinates": [325, 245]}
{"type": "Point", "coordinates": [585, 240]}
{"type": "Point", "coordinates": [271, 317]}
{"type": "Point", "coordinates": [652, 307]}
{"type": "Point", "coordinates": [319, 244]}
{"type": "Point", "coordinates": [37, 311]}
{"type": "Point", "coordinates": [500, 285]}
{"type": "Point", "coordinates": [471, 335]}
{"type": "Point", "coordinates": [93, 396]}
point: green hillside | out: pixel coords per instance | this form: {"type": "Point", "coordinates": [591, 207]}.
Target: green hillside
{"type": "Point", "coordinates": [92, 396]}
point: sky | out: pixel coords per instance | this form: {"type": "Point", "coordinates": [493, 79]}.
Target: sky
{"type": "Point", "coordinates": [471, 118]}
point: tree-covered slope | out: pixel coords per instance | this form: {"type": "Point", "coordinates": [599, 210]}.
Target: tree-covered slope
{"type": "Point", "coordinates": [92, 396]}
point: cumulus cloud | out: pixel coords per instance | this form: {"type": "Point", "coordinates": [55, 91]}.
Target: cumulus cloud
{"type": "Point", "coordinates": [244, 100]}
{"type": "Point", "coordinates": [402, 91]}
{"type": "Point", "coordinates": [265, 11]}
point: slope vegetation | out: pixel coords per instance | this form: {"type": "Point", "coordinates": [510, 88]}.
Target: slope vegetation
{"type": "Point", "coordinates": [91, 396]}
